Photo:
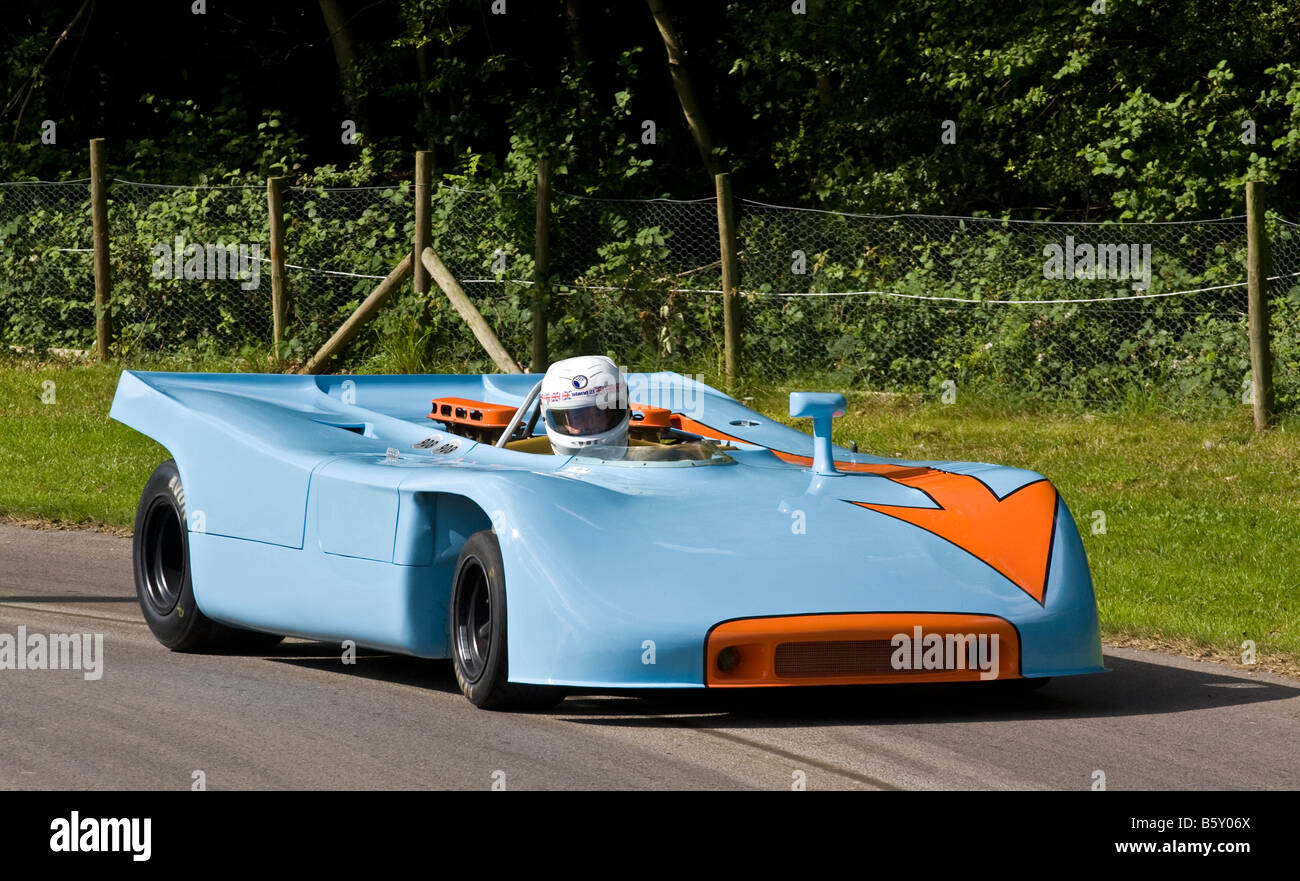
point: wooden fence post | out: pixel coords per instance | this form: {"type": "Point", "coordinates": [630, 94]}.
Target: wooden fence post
{"type": "Point", "coordinates": [730, 276]}
{"type": "Point", "coordinates": [542, 265]}
{"type": "Point", "coordinates": [423, 198]}
{"type": "Point", "coordinates": [1258, 268]}
{"type": "Point", "coordinates": [275, 218]}
{"type": "Point", "coordinates": [99, 227]}
{"type": "Point", "coordinates": [368, 309]}
{"type": "Point", "coordinates": [468, 312]}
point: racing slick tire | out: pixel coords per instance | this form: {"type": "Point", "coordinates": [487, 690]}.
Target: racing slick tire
{"type": "Point", "coordinates": [478, 632]}
{"type": "Point", "coordinates": [161, 560]}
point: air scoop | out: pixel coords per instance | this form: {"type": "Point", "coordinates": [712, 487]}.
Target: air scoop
{"type": "Point", "coordinates": [821, 408]}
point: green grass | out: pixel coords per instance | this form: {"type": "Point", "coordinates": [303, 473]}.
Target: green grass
{"type": "Point", "coordinates": [1202, 516]}
{"type": "Point", "coordinates": [66, 462]}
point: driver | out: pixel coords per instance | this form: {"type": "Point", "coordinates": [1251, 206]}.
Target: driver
{"type": "Point", "coordinates": [584, 405]}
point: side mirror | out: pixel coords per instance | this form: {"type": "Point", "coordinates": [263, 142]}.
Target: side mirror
{"type": "Point", "coordinates": [821, 408]}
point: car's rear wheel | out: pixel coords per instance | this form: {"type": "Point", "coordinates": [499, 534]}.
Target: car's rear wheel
{"type": "Point", "coordinates": [478, 632]}
{"type": "Point", "coordinates": [161, 552]}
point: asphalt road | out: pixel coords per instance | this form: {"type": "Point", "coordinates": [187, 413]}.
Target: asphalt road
{"type": "Point", "coordinates": [298, 718]}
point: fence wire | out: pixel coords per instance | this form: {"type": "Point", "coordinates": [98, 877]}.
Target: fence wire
{"type": "Point", "coordinates": [1086, 312]}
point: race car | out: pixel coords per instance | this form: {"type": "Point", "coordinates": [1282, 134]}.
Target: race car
{"type": "Point", "coordinates": [431, 516]}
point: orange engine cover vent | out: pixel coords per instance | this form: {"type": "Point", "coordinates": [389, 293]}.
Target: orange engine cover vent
{"type": "Point", "coordinates": [462, 411]}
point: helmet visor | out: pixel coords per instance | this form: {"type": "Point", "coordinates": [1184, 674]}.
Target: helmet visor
{"type": "Point", "coordinates": [584, 421]}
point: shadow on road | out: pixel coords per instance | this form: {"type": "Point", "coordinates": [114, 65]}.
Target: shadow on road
{"type": "Point", "coordinates": [48, 598]}
{"type": "Point", "coordinates": [399, 669]}
{"type": "Point", "coordinates": [1132, 688]}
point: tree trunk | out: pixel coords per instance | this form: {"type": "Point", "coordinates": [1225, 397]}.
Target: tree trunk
{"type": "Point", "coordinates": [345, 56]}
{"type": "Point", "coordinates": [574, 22]}
{"type": "Point", "coordinates": [426, 103]}
{"type": "Point", "coordinates": [581, 60]}
{"type": "Point", "coordinates": [691, 108]}
{"type": "Point", "coordinates": [817, 12]}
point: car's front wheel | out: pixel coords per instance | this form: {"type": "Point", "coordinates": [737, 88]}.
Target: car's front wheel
{"type": "Point", "coordinates": [161, 557]}
{"type": "Point", "coordinates": [478, 632]}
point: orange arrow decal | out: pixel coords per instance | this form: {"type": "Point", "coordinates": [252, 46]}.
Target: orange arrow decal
{"type": "Point", "coordinates": [1012, 534]}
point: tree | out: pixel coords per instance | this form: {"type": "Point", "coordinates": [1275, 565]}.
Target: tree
{"type": "Point", "coordinates": [691, 108]}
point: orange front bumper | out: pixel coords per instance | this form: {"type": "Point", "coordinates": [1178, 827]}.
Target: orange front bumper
{"type": "Point", "coordinates": [861, 648]}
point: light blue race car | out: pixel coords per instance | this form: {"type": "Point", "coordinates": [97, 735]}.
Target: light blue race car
{"type": "Point", "coordinates": [429, 516]}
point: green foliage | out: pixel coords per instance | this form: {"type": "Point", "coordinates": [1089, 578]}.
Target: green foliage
{"type": "Point", "coordinates": [46, 289]}
{"type": "Point", "coordinates": [1137, 114]}
{"type": "Point", "coordinates": [1055, 108]}
{"type": "Point", "coordinates": [195, 134]}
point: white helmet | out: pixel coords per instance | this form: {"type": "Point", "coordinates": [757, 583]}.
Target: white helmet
{"type": "Point", "coordinates": [584, 404]}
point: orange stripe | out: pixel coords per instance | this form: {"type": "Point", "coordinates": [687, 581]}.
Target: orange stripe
{"type": "Point", "coordinates": [892, 471]}
{"type": "Point", "coordinates": [685, 423]}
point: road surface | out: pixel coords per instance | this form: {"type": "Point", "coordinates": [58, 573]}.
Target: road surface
{"type": "Point", "coordinates": [299, 718]}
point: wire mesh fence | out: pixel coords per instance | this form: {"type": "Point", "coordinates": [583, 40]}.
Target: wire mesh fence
{"type": "Point", "coordinates": [640, 281]}
{"type": "Point", "coordinates": [1086, 312]}
{"type": "Point", "coordinates": [1078, 311]}
{"type": "Point", "coordinates": [187, 267]}
{"type": "Point", "coordinates": [485, 237]}
{"type": "Point", "coordinates": [339, 243]}
{"type": "Point", "coordinates": [47, 290]}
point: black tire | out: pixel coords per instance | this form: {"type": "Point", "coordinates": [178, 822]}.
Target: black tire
{"type": "Point", "coordinates": [478, 632]}
{"type": "Point", "coordinates": [161, 559]}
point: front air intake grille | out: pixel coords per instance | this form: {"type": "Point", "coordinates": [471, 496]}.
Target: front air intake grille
{"type": "Point", "coordinates": [847, 657]}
